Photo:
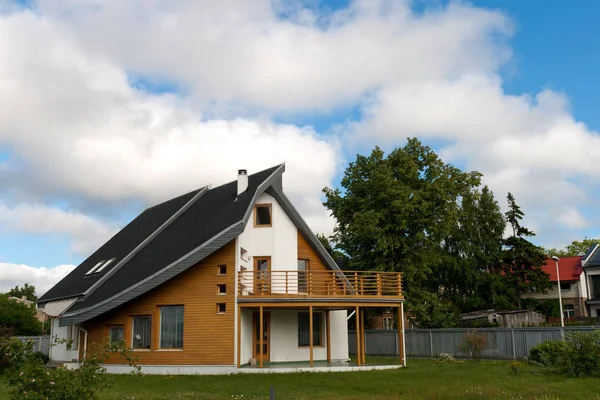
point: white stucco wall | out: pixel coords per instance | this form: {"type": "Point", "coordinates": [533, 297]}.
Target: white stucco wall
{"type": "Point", "coordinates": [246, 339]}
{"type": "Point", "coordinates": [59, 352]}
{"type": "Point", "coordinates": [552, 293]}
{"type": "Point", "coordinates": [339, 335]}
{"type": "Point", "coordinates": [279, 241]}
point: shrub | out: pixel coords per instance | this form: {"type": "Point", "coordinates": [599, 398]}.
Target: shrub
{"type": "Point", "coordinates": [474, 344]}
{"type": "Point", "coordinates": [578, 355]}
{"type": "Point", "coordinates": [28, 378]}
{"type": "Point", "coordinates": [548, 352]}
{"type": "Point", "coordinates": [445, 357]}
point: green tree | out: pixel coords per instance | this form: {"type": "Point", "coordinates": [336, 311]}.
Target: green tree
{"type": "Point", "coordinates": [522, 260]}
{"type": "Point", "coordinates": [26, 290]}
{"type": "Point", "coordinates": [18, 317]}
{"type": "Point", "coordinates": [576, 248]}
{"type": "Point", "coordinates": [394, 214]}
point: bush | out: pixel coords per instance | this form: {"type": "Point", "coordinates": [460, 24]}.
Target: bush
{"type": "Point", "coordinates": [474, 344]}
{"type": "Point", "coordinates": [29, 379]}
{"type": "Point", "coordinates": [548, 353]}
{"type": "Point", "coordinates": [578, 355]}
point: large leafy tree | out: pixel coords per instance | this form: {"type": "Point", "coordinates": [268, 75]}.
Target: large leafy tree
{"type": "Point", "coordinates": [26, 290]}
{"type": "Point", "coordinates": [576, 248]}
{"type": "Point", "coordinates": [394, 213]}
{"type": "Point", "coordinates": [18, 317]}
{"type": "Point", "coordinates": [522, 260]}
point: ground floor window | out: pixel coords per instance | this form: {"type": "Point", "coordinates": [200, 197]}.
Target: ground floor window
{"type": "Point", "coordinates": [73, 336]}
{"type": "Point", "coordinates": [171, 327]}
{"type": "Point", "coordinates": [142, 331]}
{"type": "Point", "coordinates": [388, 323]}
{"type": "Point", "coordinates": [569, 310]}
{"type": "Point", "coordinates": [304, 329]}
{"type": "Point", "coordinates": [116, 333]}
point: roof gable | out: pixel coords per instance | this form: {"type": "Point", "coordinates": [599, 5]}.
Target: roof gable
{"type": "Point", "coordinates": [203, 227]}
{"type": "Point", "coordinates": [569, 268]}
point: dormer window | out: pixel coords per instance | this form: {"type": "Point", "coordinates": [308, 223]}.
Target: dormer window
{"type": "Point", "coordinates": [106, 264]}
{"type": "Point", "coordinates": [99, 267]}
{"type": "Point", "coordinates": [93, 270]}
{"type": "Point", "coordinates": [262, 215]}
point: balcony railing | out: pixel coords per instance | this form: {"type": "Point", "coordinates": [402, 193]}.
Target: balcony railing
{"type": "Point", "coordinates": [320, 283]}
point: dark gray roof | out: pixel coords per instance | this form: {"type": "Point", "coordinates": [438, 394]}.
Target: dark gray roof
{"type": "Point", "coordinates": [592, 256]}
{"type": "Point", "coordinates": [589, 251]}
{"type": "Point", "coordinates": [205, 221]}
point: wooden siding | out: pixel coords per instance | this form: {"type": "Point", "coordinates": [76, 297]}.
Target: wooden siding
{"type": "Point", "coordinates": [315, 263]}
{"type": "Point", "coordinates": [306, 252]}
{"type": "Point", "coordinates": [208, 337]}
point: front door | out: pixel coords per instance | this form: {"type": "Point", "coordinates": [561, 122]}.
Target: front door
{"type": "Point", "coordinates": [266, 337]}
{"type": "Point", "coordinates": [263, 274]}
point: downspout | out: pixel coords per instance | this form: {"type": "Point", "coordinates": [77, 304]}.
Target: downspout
{"type": "Point", "coordinates": [351, 314]}
{"type": "Point", "coordinates": [582, 311]}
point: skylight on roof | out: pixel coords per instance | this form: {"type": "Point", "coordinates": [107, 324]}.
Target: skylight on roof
{"type": "Point", "coordinates": [106, 264]}
{"type": "Point", "coordinates": [93, 270]}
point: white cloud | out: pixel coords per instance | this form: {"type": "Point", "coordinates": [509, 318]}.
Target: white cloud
{"type": "Point", "coordinates": [42, 278]}
{"type": "Point", "coordinates": [86, 233]}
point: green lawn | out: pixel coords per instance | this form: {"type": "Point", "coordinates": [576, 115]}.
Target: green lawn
{"type": "Point", "coordinates": [423, 379]}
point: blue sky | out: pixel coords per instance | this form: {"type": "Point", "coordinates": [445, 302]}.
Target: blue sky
{"type": "Point", "coordinates": [147, 110]}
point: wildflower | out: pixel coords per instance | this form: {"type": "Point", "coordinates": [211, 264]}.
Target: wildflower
{"type": "Point", "coordinates": [33, 380]}
{"type": "Point", "coordinates": [52, 383]}
{"type": "Point", "coordinates": [21, 374]}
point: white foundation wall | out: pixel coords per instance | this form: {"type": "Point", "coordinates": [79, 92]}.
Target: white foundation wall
{"type": "Point", "coordinates": [246, 339]}
{"type": "Point", "coordinates": [339, 335]}
{"type": "Point", "coordinates": [59, 352]}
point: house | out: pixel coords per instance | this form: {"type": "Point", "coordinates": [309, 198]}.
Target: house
{"type": "Point", "coordinates": [591, 268]}
{"type": "Point", "coordinates": [573, 288]}
{"type": "Point", "coordinates": [39, 314]}
{"type": "Point", "coordinates": [505, 319]}
{"type": "Point", "coordinates": [215, 281]}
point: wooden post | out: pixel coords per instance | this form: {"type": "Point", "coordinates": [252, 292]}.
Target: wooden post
{"type": "Point", "coordinates": [310, 328]}
{"type": "Point", "coordinates": [363, 343]}
{"type": "Point", "coordinates": [328, 333]}
{"type": "Point", "coordinates": [401, 334]}
{"type": "Point", "coordinates": [261, 333]}
{"type": "Point", "coordinates": [358, 351]}
{"type": "Point", "coordinates": [309, 282]}
{"type": "Point", "coordinates": [239, 336]}
{"type": "Point", "coordinates": [378, 284]}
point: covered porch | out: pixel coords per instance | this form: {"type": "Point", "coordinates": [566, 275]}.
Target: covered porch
{"type": "Point", "coordinates": [275, 334]}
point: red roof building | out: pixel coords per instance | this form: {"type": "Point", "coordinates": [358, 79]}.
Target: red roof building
{"type": "Point", "coordinates": [570, 268]}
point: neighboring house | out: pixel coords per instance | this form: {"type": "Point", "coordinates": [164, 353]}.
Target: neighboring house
{"type": "Point", "coordinates": [214, 280]}
{"type": "Point", "coordinates": [591, 267]}
{"type": "Point", "coordinates": [505, 319]}
{"type": "Point", "coordinates": [573, 288]}
{"type": "Point", "coordinates": [39, 314]}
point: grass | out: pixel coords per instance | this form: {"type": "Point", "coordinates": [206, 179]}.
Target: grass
{"type": "Point", "coordinates": [423, 379]}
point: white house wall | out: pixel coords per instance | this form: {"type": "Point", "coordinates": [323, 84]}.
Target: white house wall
{"type": "Point", "coordinates": [339, 335]}
{"type": "Point", "coordinates": [59, 352]}
{"type": "Point", "coordinates": [246, 339]}
{"type": "Point", "coordinates": [279, 241]}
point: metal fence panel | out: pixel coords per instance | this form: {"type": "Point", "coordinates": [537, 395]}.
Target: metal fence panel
{"type": "Point", "coordinates": [502, 343]}
{"type": "Point", "coordinates": [40, 343]}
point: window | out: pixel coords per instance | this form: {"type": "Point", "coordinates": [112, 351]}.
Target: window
{"type": "Point", "coordinates": [262, 215]}
{"type": "Point", "coordinates": [304, 327]}
{"type": "Point", "coordinates": [221, 308]}
{"type": "Point", "coordinates": [595, 286]}
{"type": "Point", "coordinates": [221, 289]}
{"type": "Point", "coordinates": [116, 333]}
{"type": "Point", "coordinates": [91, 271]}
{"type": "Point", "coordinates": [387, 323]}
{"type": "Point", "coordinates": [569, 310]}
{"type": "Point", "coordinates": [244, 254]}
{"type": "Point", "coordinates": [302, 276]}
{"type": "Point", "coordinates": [106, 264]}
{"type": "Point", "coordinates": [565, 286]}
{"type": "Point", "coordinates": [222, 270]}
{"type": "Point", "coordinates": [171, 327]}
{"type": "Point", "coordinates": [73, 336]}
{"type": "Point", "coordinates": [142, 331]}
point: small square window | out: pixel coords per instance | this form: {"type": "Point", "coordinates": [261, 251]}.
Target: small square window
{"type": "Point", "coordinates": [565, 286]}
{"type": "Point", "coordinates": [262, 215]}
{"type": "Point", "coordinates": [221, 289]}
{"type": "Point", "coordinates": [221, 308]}
{"type": "Point", "coordinates": [116, 334]}
{"type": "Point", "coordinates": [222, 270]}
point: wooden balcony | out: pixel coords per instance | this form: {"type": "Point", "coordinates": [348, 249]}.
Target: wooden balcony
{"type": "Point", "coordinates": [320, 284]}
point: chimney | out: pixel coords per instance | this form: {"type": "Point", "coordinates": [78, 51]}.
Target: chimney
{"type": "Point", "coordinates": [242, 181]}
